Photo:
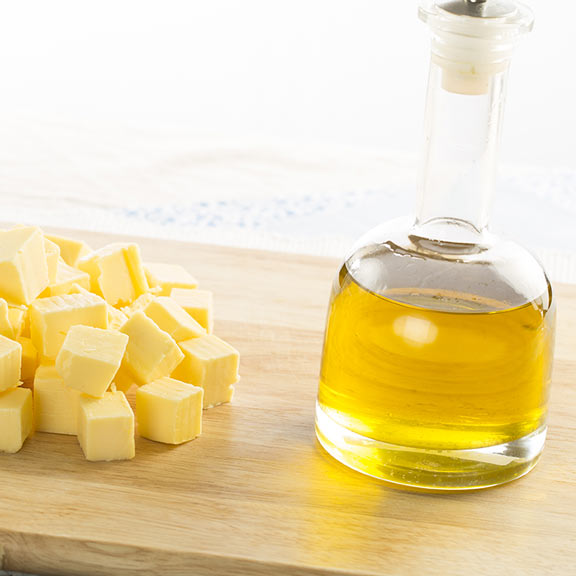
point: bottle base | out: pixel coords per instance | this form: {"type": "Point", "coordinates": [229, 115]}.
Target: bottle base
{"type": "Point", "coordinates": [430, 469]}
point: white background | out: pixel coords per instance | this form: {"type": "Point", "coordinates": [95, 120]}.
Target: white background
{"type": "Point", "coordinates": [344, 73]}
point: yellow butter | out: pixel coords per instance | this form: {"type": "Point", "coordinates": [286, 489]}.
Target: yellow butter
{"type": "Point", "coordinates": [106, 427]}
{"type": "Point", "coordinates": [70, 250]}
{"type": "Point", "coordinates": [18, 317]}
{"type": "Point", "coordinates": [169, 411]}
{"type": "Point", "coordinates": [51, 318]}
{"type": "Point", "coordinates": [10, 363]}
{"type": "Point", "coordinates": [90, 358]}
{"type": "Point", "coordinates": [29, 360]}
{"type": "Point", "coordinates": [116, 273]}
{"type": "Point", "coordinates": [55, 405]}
{"type": "Point", "coordinates": [23, 267]}
{"type": "Point", "coordinates": [116, 318]}
{"type": "Point", "coordinates": [151, 353]}
{"type": "Point", "coordinates": [124, 380]}
{"type": "Point", "coordinates": [16, 419]}
{"type": "Point", "coordinates": [173, 319]}
{"type": "Point", "coordinates": [139, 304]}
{"type": "Point", "coordinates": [165, 277]}
{"type": "Point", "coordinates": [198, 303]}
{"type": "Point", "coordinates": [52, 251]}
{"type": "Point", "coordinates": [6, 327]}
{"type": "Point", "coordinates": [211, 363]}
{"type": "Point", "coordinates": [66, 281]}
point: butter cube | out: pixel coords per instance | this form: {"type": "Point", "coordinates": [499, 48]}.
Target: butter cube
{"type": "Point", "coordinates": [29, 360]}
{"type": "Point", "coordinates": [6, 328]}
{"type": "Point", "coordinates": [139, 304]}
{"type": "Point", "coordinates": [116, 318]}
{"type": "Point", "coordinates": [52, 256]}
{"type": "Point", "coordinates": [165, 277]}
{"type": "Point", "coordinates": [18, 319]}
{"type": "Point", "coordinates": [10, 363]}
{"type": "Point", "coordinates": [116, 273]}
{"type": "Point", "coordinates": [90, 358]}
{"type": "Point", "coordinates": [198, 303]}
{"type": "Point", "coordinates": [66, 280]}
{"type": "Point", "coordinates": [124, 380]}
{"type": "Point", "coordinates": [55, 405]}
{"type": "Point", "coordinates": [70, 250]}
{"type": "Point", "coordinates": [16, 419]}
{"type": "Point", "coordinates": [106, 427]}
{"type": "Point", "coordinates": [211, 363]}
{"type": "Point", "coordinates": [151, 353]}
{"type": "Point", "coordinates": [173, 319]}
{"type": "Point", "coordinates": [23, 267]}
{"type": "Point", "coordinates": [169, 411]}
{"type": "Point", "coordinates": [51, 318]}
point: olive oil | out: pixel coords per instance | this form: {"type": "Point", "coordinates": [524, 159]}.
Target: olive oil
{"type": "Point", "coordinates": [439, 341]}
{"type": "Point", "coordinates": [434, 372]}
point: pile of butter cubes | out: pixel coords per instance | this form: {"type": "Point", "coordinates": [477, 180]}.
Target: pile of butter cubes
{"type": "Point", "coordinates": [79, 328]}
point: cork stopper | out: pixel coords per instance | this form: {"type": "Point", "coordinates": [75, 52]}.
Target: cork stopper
{"type": "Point", "coordinates": [474, 39]}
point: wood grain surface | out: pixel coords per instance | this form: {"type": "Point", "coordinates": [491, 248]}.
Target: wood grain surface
{"type": "Point", "coordinates": [255, 494]}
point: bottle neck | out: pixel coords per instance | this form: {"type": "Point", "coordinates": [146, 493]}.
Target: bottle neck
{"type": "Point", "coordinates": [462, 132]}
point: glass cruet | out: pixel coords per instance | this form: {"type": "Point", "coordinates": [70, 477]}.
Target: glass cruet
{"type": "Point", "coordinates": [439, 339]}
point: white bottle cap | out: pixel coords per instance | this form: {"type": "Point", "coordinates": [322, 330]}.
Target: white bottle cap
{"type": "Point", "coordinates": [474, 39]}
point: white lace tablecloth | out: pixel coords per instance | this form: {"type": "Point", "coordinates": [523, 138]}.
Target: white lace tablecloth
{"type": "Point", "coordinates": [314, 201]}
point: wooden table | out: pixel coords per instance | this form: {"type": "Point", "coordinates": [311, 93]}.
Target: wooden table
{"type": "Point", "coordinates": [255, 494]}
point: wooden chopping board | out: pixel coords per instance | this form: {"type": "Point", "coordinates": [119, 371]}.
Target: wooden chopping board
{"type": "Point", "coordinates": [255, 494]}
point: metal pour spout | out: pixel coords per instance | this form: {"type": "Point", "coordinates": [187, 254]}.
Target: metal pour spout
{"type": "Point", "coordinates": [479, 8]}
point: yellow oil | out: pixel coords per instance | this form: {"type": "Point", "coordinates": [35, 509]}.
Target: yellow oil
{"type": "Point", "coordinates": [435, 370]}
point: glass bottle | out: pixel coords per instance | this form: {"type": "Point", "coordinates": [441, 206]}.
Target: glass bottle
{"type": "Point", "coordinates": [439, 340]}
